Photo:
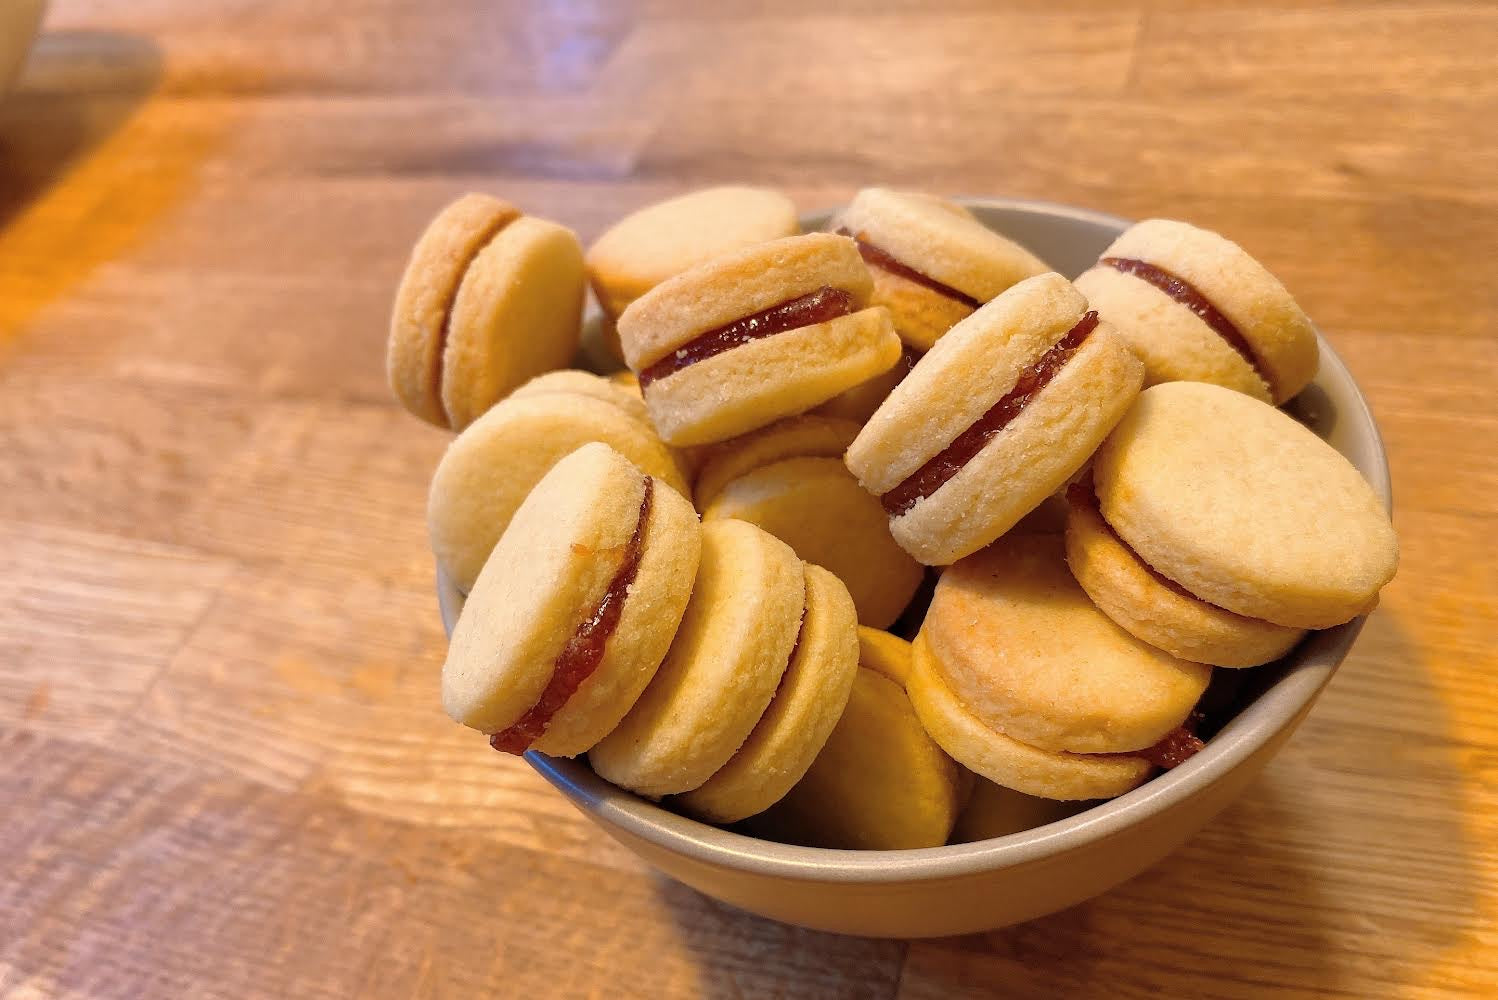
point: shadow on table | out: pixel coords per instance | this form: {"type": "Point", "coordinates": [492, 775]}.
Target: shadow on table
{"type": "Point", "coordinates": [84, 175]}
{"type": "Point", "coordinates": [78, 88]}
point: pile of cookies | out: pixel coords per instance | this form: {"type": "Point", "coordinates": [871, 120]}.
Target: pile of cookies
{"type": "Point", "coordinates": [1077, 498]}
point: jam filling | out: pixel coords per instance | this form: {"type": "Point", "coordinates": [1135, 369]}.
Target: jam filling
{"type": "Point", "coordinates": [1186, 294]}
{"type": "Point", "coordinates": [584, 651]}
{"type": "Point", "coordinates": [1174, 748]}
{"type": "Point", "coordinates": [885, 261]}
{"type": "Point", "coordinates": [486, 236]}
{"type": "Point", "coordinates": [949, 461]}
{"type": "Point", "coordinates": [1178, 746]}
{"type": "Point", "coordinates": [824, 304]}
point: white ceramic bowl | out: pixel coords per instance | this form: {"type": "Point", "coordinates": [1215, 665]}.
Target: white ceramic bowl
{"type": "Point", "coordinates": [19, 23]}
{"type": "Point", "coordinates": [970, 887]}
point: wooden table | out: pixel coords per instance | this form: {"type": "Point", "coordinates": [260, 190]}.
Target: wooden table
{"type": "Point", "coordinates": [223, 768]}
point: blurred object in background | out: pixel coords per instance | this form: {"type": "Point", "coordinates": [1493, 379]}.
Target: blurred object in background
{"type": "Point", "coordinates": [19, 21]}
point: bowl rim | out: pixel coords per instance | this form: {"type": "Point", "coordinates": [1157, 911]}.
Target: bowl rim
{"type": "Point", "coordinates": [1278, 706]}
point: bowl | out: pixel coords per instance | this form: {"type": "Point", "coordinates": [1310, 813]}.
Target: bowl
{"type": "Point", "coordinates": [19, 22]}
{"type": "Point", "coordinates": [965, 888]}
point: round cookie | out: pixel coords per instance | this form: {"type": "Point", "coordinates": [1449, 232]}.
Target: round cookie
{"type": "Point", "coordinates": [880, 783]}
{"type": "Point", "coordinates": [816, 507]}
{"type": "Point", "coordinates": [1196, 307]}
{"type": "Point", "coordinates": [575, 608]}
{"type": "Point", "coordinates": [807, 704]}
{"type": "Point", "coordinates": [932, 262]}
{"type": "Point", "coordinates": [1243, 508]}
{"type": "Point", "coordinates": [418, 322]}
{"type": "Point", "coordinates": [1152, 608]}
{"type": "Point", "coordinates": [1004, 410]}
{"type": "Point", "coordinates": [489, 298]}
{"type": "Point", "coordinates": [1029, 655]}
{"type": "Point", "coordinates": [518, 313]}
{"type": "Point", "coordinates": [663, 239]}
{"type": "Point", "coordinates": [1008, 762]}
{"type": "Point", "coordinates": [755, 335]}
{"type": "Point", "coordinates": [733, 646]}
{"type": "Point", "coordinates": [488, 469]}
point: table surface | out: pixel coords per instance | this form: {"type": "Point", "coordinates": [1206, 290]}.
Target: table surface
{"type": "Point", "coordinates": [225, 772]}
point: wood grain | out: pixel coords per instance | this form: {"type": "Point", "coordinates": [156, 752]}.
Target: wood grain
{"type": "Point", "coordinates": [225, 772]}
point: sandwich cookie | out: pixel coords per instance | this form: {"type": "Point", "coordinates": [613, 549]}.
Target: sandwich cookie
{"type": "Point", "coordinates": [1019, 677]}
{"type": "Point", "coordinates": [880, 783]}
{"type": "Point", "coordinates": [1211, 505]}
{"type": "Point", "coordinates": [755, 335]}
{"type": "Point", "coordinates": [658, 241]}
{"type": "Point", "coordinates": [1196, 307]}
{"type": "Point", "coordinates": [575, 608]}
{"type": "Point", "coordinates": [490, 297]}
{"type": "Point", "coordinates": [789, 479]}
{"type": "Point", "coordinates": [1154, 608]}
{"type": "Point", "coordinates": [734, 644]}
{"type": "Point", "coordinates": [808, 702]}
{"type": "Point", "coordinates": [998, 416]}
{"type": "Point", "coordinates": [932, 262]}
{"type": "Point", "coordinates": [488, 469]}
